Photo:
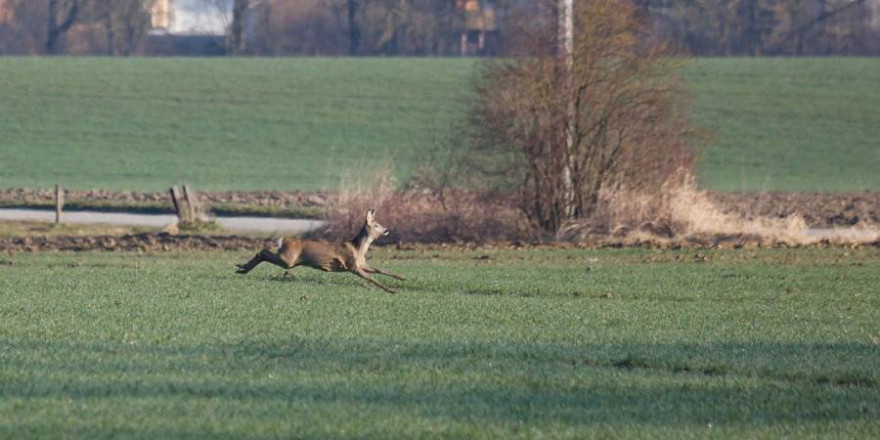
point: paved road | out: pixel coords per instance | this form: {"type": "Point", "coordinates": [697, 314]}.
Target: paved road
{"type": "Point", "coordinates": [263, 224]}
{"type": "Point", "coordinates": [234, 224]}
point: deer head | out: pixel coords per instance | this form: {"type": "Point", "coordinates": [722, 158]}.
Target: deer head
{"type": "Point", "coordinates": [372, 227]}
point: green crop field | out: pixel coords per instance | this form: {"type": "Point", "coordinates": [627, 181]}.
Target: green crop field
{"type": "Point", "coordinates": [145, 124]}
{"type": "Point", "coordinates": [789, 124]}
{"type": "Point", "coordinates": [477, 344]}
{"type": "Point", "coordinates": [305, 123]}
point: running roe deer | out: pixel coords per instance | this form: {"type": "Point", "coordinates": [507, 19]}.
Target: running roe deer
{"type": "Point", "coordinates": [327, 256]}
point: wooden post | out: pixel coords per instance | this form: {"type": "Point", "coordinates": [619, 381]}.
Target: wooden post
{"type": "Point", "coordinates": [176, 200]}
{"type": "Point", "coordinates": [190, 203]}
{"type": "Point", "coordinates": [186, 204]}
{"type": "Point", "coordinates": [59, 203]}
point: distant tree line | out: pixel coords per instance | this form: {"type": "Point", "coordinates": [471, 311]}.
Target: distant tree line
{"type": "Point", "coordinates": [434, 27]}
{"type": "Point", "coordinates": [769, 27]}
{"type": "Point", "coordinates": [351, 27]}
{"type": "Point", "coordinates": [94, 27]}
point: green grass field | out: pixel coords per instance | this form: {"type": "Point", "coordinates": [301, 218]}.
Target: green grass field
{"type": "Point", "coordinates": [305, 123]}
{"type": "Point", "coordinates": [245, 124]}
{"type": "Point", "coordinates": [504, 344]}
{"type": "Point", "coordinates": [789, 124]}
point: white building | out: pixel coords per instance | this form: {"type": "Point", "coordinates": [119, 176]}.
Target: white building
{"type": "Point", "coordinates": [191, 17]}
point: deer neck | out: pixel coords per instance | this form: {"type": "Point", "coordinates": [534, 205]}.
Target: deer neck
{"type": "Point", "coordinates": [362, 241]}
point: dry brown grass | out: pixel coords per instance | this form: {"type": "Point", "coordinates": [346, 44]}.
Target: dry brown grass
{"type": "Point", "coordinates": [676, 213]}
{"type": "Point", "coordinates": [679, 211]}
{"type": "Point", "coordinates": [422, 214]}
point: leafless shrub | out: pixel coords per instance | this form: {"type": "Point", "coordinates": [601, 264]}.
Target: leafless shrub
{"type": "Point", "coordinates": [565, 134]}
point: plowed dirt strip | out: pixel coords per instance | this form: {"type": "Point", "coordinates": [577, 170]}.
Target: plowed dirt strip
{"type": "Point", "coordinates": [144, 242]}
{"type": "Point", "coordinates": [156, 242]}
{"type": "Point", "coordinates": [819, 210]}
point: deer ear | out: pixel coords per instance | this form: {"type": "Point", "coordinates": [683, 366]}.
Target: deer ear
{"type": "Point", "coordinates": [370, 214]}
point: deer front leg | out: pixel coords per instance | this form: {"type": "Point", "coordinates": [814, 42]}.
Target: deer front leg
{"type": "Point", "coordinates": [384, 272]}
{"type": "Point", "coordinates": [363, 274]}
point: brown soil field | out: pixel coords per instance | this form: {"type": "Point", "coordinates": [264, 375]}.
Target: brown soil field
{"type": "Point", "coordinates": [146, 242]}
{"type": "Point", "coordinates": [156, 242]}
{"type": "Point", "coordinates": [819, 210]}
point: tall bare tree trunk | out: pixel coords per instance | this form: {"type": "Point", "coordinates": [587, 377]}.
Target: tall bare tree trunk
{"type": "Point", "coordinates": [821, 30]}
{"type": "Point", "coordinates": [110, 28]}
{"type": "Point", "coordinates": [566, 54]}
{"type": "Point", "coordinates": [57, 27]}
{"type": "Point", "coordinates": [239, 10]}
{"type": "Point", "coordinates": [752, 30]}
{"type": "Point", "coordinates": [354, 32]}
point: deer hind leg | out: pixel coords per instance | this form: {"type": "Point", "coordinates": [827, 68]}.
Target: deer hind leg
{"type": "Point", "coordinates": [250, 265]}
{"type": "Point", "coordinates": [267, 256]}
{"type": "Point", "coordinates": [363, 274]}
{"type": "Point", "coordinates": [369, 269]}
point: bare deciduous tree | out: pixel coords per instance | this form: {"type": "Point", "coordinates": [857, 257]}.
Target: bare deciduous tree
{"type": "Point", "coordinates": [236, 28]}
{"type": "Point", "coordinates": [112, 27]}
{"type": "Point", "coordinates": [62, 15]}
{"type": "Point", "coordinates": [770, 27]}
{"type": "Point", "coordinates": [411, 27]}
{"type": "Point", "coordinates": [629, 127]}
{"type": "Point", "coordinates": [23, 28]}
{"type": "Point", "coordinates": [124, 23]}
{"type": "Point", "coordinates": [354, 31]}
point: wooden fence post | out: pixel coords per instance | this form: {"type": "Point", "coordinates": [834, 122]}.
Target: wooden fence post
{"type": "Point", "coordinates": [177, 200]}
{"type": "Point", "coordinates": [190, 204]}
{"type": "Point", "coordinates": [59, 203]}
{"type": "Point", "coordinates": [186, 205]}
